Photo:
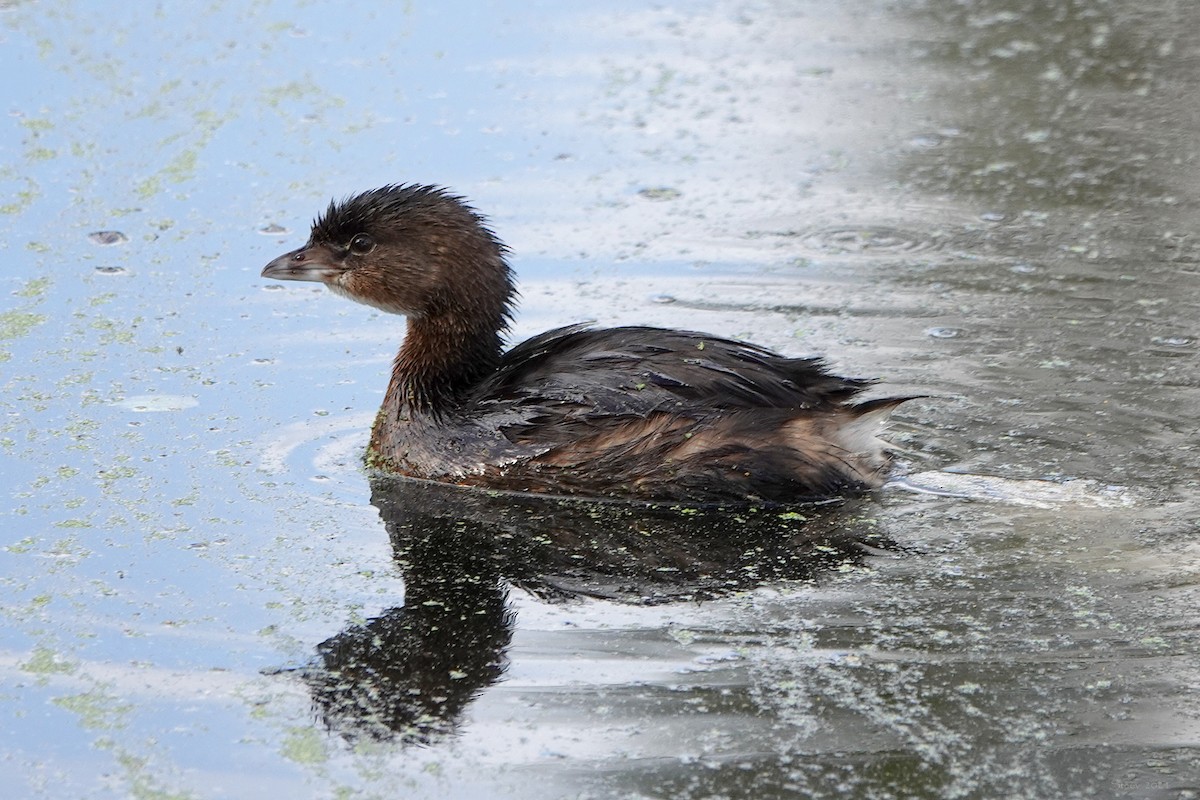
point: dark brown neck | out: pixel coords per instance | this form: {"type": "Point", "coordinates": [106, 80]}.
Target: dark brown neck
{"type": "Point", "coordinates": [452, 344]}
{"type": "Point", "coordinates": [441, 360]}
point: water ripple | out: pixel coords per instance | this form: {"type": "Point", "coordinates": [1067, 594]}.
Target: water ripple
{"type": "Point", "coordinates": [328, 447]}
{"type": "Point", "coordinates": [868, 240]}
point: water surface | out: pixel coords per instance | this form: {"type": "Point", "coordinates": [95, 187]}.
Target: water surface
{"type": "Point", "coordinates": [992, 204]}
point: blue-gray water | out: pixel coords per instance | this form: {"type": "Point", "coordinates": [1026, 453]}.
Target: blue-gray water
{"type": "Point", "coordinates": [993, 204]}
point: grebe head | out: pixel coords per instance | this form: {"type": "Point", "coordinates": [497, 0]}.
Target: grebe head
{"type": "Point", "coordinates": [406, 249]}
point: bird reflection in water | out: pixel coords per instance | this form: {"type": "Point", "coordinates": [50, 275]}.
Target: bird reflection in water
{"type": "Point", "coordinates": [408, 674]}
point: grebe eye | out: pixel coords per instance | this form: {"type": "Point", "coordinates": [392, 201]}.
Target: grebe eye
{"type": "Point", "coordinates": [361, 244]}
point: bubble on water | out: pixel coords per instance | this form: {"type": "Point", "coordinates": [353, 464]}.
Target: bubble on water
{"type": "Point", "coordinates": [1172, 341]}
{"type": "Point", "coordinates": [1023, 269]}
{"type": "Point", "coordinates": [107, 237]}
{"type": "Point", "coordinates": [927, 140]}
{"type": "Point", "coordinates": [664, 299]}
{"type": "Point", "coordinates": [993, 216]}
{"type": "Point", "coordinates": [943, 333]}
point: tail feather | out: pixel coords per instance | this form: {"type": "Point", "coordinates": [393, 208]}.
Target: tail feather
{"type": "Point", "coordinates": [856, 430]}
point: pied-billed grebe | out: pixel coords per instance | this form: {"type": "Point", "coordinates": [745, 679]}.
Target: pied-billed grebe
{"type": "Point", "coordinates": [627, 412]}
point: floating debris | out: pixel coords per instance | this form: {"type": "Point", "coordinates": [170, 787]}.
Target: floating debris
{"type": "Point", "coordinates": [108, 238]}
{"type": "Point", "coordinates": [943, 333]}
{"type": "Point", "coordinates": [659, 193]}
{"type": "Point", "coordinates": [151, 403]}
{"type": "Point", "coordinates": [1078, 492]}
{"type": "Point", "coordinates": [1172, 341]}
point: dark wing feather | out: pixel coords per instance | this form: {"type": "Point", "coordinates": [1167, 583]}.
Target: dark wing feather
{"type": "Point", "coordinates": [640, 370]}
{"type": "Point", "coordinates": [671, 415]}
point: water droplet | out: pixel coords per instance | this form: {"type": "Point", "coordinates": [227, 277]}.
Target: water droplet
{"type": "Point", "coordinates": [1172, 341]}
{"type": "Point", "coordinates": [112, 270]}
{"type": "Point", "coordinates": [1023, 269]}
{"type": "Point", "coordinates": [662, 298]}
{"type": "Point", "coordinates": [943, 333]}
{"type": "Point", "coordinates": [273, 230]}
{"type": "Point", "coordinates": [993, 216]}
{"type": "Point", "coordinates": [108, 237]}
